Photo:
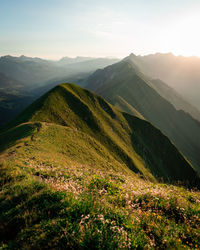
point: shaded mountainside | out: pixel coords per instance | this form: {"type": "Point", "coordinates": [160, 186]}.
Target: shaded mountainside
{"type": "Point", "coordinates": [129, 140]}
{"type": "Point", "coordinates": [12, 104]}
{"type": "Point", "coordinates": [9, 84]}
{"type": "Point", "coordinates": [175, 98]}
{"type": "Point", "coordinates": [126, 81]}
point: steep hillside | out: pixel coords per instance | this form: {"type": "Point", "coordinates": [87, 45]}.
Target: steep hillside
{"type": "Point", "coordinates": [124, 79]}
{"type": "Point", "coordinates": [120, 133]}
{"type": "Point", "coordinates": [77, 173]}
{"type": "Point", "coordinates": [68, 179]}
{"type": "Point", "coordinates": [175, 98]}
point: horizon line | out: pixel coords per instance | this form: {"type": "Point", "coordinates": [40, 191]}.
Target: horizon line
{"type": "Point", "coordinates": [95, 57]}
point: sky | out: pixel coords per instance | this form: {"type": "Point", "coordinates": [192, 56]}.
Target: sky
{"type": "Point", "coordinates": [104, 28]}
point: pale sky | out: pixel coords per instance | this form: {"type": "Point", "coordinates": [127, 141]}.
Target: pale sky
{"type": "Point", "coordinates": [56, 28]}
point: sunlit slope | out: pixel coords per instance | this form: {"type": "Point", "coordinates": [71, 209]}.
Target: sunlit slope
{"type": "Point", "coordinates": [124, 80]}
{"type": "Point", "coordinates": [130, 141]}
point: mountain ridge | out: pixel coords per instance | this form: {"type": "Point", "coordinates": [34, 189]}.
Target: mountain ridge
{"type": "Point", "coordinates": [179, 72]}
{"type": "Point", "coordinates": [78, 173]}
{"type": "Point", "coordinates": [83, 110]}
{"type": "Point", "coordinates": [125, 80]}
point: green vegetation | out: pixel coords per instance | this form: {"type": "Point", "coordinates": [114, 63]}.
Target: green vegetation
{"type": "Point", "coordinates": [77, 173]}
{"type": "Point", "coordinates": [23, 79]}
{"type": "Point", "coordinates": [125, 86]}
{"type": "Point", "coordinates": [129, 140]}
{"type": "Point", "coordinates": [51, 202]}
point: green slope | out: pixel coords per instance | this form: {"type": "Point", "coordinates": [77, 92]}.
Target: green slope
{"type": "Point", "coordinates": [125, 80]}
{"type": "Point", "coordinates": [61, 188]}
{"type": "Point", "coordinates": [68, 179]}
{"type": "Point", "coordinates": [121, 104]}
{"type": "Point", "coordinates": [71, 106]}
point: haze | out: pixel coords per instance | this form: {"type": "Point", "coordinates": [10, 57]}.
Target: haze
{"type": "Point", "coordinates": [54, 28]}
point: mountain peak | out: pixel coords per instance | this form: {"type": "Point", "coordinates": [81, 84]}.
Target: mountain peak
{"type": "Point", "coordinates": [132, 55]}
{"type": "Point", "coordinates": [88, 113]}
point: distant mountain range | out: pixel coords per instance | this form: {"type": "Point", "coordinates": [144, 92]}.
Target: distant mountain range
{"type": "Point", "coordinates": [34, 72]}
{"type": "Point", "coordinates": [125, 86]}
{"type": "Point", "coordinates": [23, 79]}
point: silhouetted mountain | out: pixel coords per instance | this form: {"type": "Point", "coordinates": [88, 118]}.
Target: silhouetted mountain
{"type": "Point", "coordinates": [181, 73]}
{"type": "Point", "coordinates": [125, 80]}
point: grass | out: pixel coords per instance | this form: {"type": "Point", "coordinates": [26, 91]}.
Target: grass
{"type": "Point", "coordinates": [77, 206]}
{"type": "Point", "coordinates": [65, 183]}
{"type": "Point", "coordinates": [126, 87]}
{"type": "Point", "coordinates": [129, 140]}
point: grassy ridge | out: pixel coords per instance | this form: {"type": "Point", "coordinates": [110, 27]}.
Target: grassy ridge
{"type": "Point", "coordinates": [124, 80]}
{"type": "Point", "coordinates": [51, 198]}
{"type": "Point", "coordinates": [124, 136]}
{"type": "Point", "coordinates": [77, 173]}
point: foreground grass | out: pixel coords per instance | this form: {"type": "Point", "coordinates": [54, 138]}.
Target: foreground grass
{"type": "Point", "coordinates": [58, 194]}
{"type": "Point", "coordinates": [76, 206]}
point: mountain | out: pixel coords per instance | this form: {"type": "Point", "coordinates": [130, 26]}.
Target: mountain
{"type": "Point", "coordinates": [169, 93]}
{"type": "Point", "coordinates": [28, 70]}
{"type": "Point", "coordinates": [125, 80]}
{"type": "Point", "coordinates": [119, 133]}
{"type": "Point", "coordinates": [181, 73]}
{"type": "Point", "coordinates": [78, 79]}
{"type": "Point", "coordinates": [23, 79]}
{"type": "Point", "coordinates": [69, 60]}
{"type": "Point", "coordinates": [175, 98]}
{"type": "Point", "coordinates": [92, 65]}
{"type": "Point", "coordinates": [77, 173]}
{"type": "Point", "coordinates": [34, 72]}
